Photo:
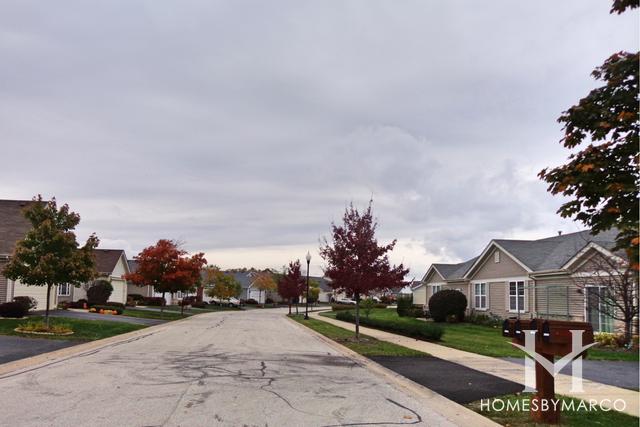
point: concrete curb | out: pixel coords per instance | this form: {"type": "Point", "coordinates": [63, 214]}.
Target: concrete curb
{"type": "Point", "coordinates": [56, 356]}
{"type": "Point", "coordinates": [449, 409]}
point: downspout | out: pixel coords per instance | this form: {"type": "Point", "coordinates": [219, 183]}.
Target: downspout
{"type": "Point", "coordinates": [535, 301]}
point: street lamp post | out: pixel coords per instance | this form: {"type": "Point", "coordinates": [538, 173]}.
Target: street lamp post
{"type": "Point", "coordinates": [306, 301]}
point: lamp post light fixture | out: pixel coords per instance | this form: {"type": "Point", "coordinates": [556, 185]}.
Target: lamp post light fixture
{"type": "Point", "coordinates": [306, 301]}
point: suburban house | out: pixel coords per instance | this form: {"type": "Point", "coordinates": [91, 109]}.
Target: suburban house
{"type": "Point", "coordinates": [112, 265]}
{"type": "Point", "coordinates": [13, 227]}
{"type": "Point", "coordinates": [529, 278]}
{"type": "Point", "coordinates": [145, 291]}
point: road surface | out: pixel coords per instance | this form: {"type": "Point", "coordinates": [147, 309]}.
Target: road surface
{"type": "Point", "coordinates": [247, 368]}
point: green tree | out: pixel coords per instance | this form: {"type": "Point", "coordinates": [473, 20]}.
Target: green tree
{"type": "Point", "coordinates": [601, 180]}
{"type": "Point", "coordinates": [49, 254]}
{"type": "Point", "coordinates": [224, 286]}
{"type": "Point", "coordinates": [265, 282]}
{"type": "Point", "coordinates": [314, 291]}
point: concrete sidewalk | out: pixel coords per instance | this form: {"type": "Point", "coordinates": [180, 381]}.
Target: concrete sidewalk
{"type": "Point", "coordinates": [500, 368]}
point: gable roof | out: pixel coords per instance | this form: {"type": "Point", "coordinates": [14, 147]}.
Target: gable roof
{"type": "Point", "coordinates": [107, 259]}
{"type": "Point", "coordinates": [13, 225]}
{"type": "Point", "coordinates": [551, 253]}
{"type": "Point", "coordinates": [454, 271]}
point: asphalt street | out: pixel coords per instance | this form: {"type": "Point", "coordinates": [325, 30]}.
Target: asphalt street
{"type": "Point", "coordinates": [246, 368]}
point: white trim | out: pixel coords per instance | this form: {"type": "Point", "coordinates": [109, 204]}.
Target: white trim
{"type": "Point", "coordinates": [485, 295]}
{"type": "Point", "coordinates": [525, 308]}
{"type": "Point", "coordinates": [481, 261]}
{"type": "Point", "coordinates": [583, 251]}
{"type": "Point", "coordinates": [431, 267]}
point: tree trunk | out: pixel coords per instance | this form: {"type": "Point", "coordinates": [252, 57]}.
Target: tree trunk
{"type": "Point", "coordinates": [357, 316]}
{"type": "Point", "coordinates": [627, 332]}
{"type": "Point", "coordinates": [297, 305]}
{"type": "Point", "coordinates": [163, 302]}
{"type": "Point", "coordinates": [289, 305]}
{"type": "Point", "coordinates": [46, 310]}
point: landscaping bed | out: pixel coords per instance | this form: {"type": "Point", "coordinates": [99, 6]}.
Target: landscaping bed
{"type": "Point", "coordinates": [84, 330]}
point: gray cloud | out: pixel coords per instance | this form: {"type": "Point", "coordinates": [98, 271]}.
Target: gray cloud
{"type": "Point", "coordinates": [245, 125]}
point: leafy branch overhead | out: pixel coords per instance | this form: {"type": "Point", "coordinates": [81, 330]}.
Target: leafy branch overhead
{"type": "Point", "coordinates": [601, 180]}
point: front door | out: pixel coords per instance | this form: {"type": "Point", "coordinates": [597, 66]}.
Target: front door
{"type": "Point", "coordinates": [598, 313]}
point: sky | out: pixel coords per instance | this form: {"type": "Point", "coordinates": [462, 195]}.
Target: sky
{"type": "Point", "coordinates": [244, 128]}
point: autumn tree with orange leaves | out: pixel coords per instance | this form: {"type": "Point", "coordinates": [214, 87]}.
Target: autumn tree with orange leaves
{"type": "Point", "coordinates": [167, 268]}
{"type": "Point", "coordinates": [602, 179]}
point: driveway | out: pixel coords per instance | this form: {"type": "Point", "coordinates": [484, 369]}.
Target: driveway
{"type": "Point", "coordinates": [253, 368]}
{"type": "Point", "coordinates": [14, 348]}
{"type": "Point", "coordinates": [83, 315]}
{"type": "Point", "coordinates": [617, 373]}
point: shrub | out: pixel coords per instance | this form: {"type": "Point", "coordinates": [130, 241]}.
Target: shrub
{"type": "Point", "coordinates": [131, 302]}
{"type": "Point", "coordinates": [367, 305]}
{"type": "Point", "coordinates": [99, 292]}
{"type": "Point", "coordinates": [79, 304]}
{"type": "Point", "coordinates": [199, 304]}
{"type": "Point", "coordinates": [63, 305]}
{"type": "Point", "coordinates": [251, 301]}
{"type": "Point", "coordinates": [446, 303]}
{"type": "Point", "coordinates": [29, 303]}
{"type": "Point", "coordinates": [117, 309]}
{"type": "Point", "coordinates": [484, 319]}
{"type": "Point", "coordinates": [271, 301]}
{"type": "Point", "coordinates": [136, 297]}
{"type": "Point", "coordinates": [190, 300]}
{"type": "Point", "coordinates": [14, 310]}
{"type": "Point", "coordinates": [404, 305]}
{"type": "Point", "coordinates": [415, 329]}
{"type": "Point", "coordinates": [416, 311]}
{"type": "Point", "coordinates": [154, 301]}
{"type": "Point", "coordinates": [609, 339]}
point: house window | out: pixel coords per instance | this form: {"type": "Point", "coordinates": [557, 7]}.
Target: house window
{"type": "Point", "coordinates": [436, 288]}
{"type": "Point", "coordinates": [516, 296]}
{"type": "Point", "coordinates": [480, 296]}
{"type": "Point", "coordinates": [496, 257]}
{"type": "Point", "coordinates": [64, 290]}
{"type": "Point", "coordinates": [599, 311]}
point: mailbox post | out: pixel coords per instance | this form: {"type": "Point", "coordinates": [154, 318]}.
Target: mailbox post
{"type": "Point", "coordinates": [553, 338]}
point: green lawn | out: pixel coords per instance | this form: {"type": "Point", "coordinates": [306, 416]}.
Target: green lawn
{"type": "Point", "coordinates": [148, 314]}
{"type": "Point", "coordinates": [367, 346]}
{"type": "Point", "coordinates": [567, 418]}
{"type": "Point", "coordinates": [85, 330]}
{"type": "Point", "coordinates": [487, 340]}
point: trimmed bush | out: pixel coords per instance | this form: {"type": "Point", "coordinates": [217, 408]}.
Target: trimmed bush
{"type": "Point", "coordinates": [446, 303]}
{"type": "Point", "coordinates": [154, 301]}
{"type": "Point", "coordinates": [484, 319]}
{"type": "Point", "coordinates": [79, 304]}
{"type": "Point", "coordinates": [136, 297]}
{"type": "Point", "coordinates": [405, 302]}
{"type": "Point", "coordinates": [119, 310]}
{"type": "Point", "coordinates": [13, 309]}
{"type": "Point", "coordinates": [29, 303]}
{"type": "Point", "coordinates": [271, 301]}
{"type": "Point", "coordinates": [99, 292]}
{"type": "Point", "coordinates": [251, 301]}
{"type": "Point", "coordinates": [414, 329]}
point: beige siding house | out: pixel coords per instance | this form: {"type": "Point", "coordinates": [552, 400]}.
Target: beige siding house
{"type": "Point", "coordinates": [112, 265]}
{"type": "Point", "coordinates": [13, 227]}
{"type": "Point", "coordinates": [528, 278]}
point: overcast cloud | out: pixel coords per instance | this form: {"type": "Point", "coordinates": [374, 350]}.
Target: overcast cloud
{"type": "Point", "coordinates": [245, 128]}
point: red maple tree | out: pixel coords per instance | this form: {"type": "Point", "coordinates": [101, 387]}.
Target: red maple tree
{"type": "Point", "coordinates": [357, 264]}
{"type": "Point", "coordinates": [291, 284]}
{"type": "Point", "coordinates": [167, 268]}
